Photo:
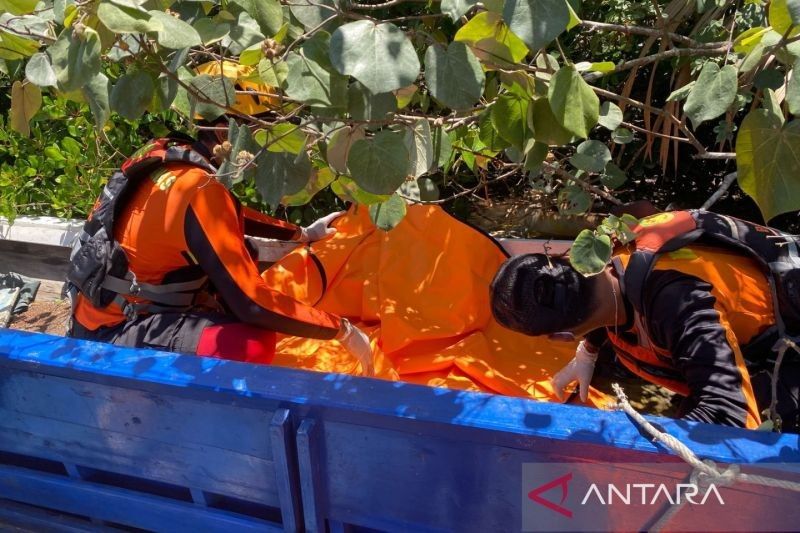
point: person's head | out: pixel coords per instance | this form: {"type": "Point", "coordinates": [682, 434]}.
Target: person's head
{"type": "Point", "coordinates": [540, 295]}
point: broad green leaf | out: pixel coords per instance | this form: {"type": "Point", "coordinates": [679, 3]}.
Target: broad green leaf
{"type": "Point", "coordinates": [590, 253]}
{"type": "Point", "coordinates": [18, 7]}
{"type": "Point", "coordinates": [768, 162]}
{"type": "Point", "coordinates": [272, 73]}
{"type": "Point", "coordinates": [491, 40]}
{"type": "Point", "coordinates": [95, 92]}
{"type": "Point", "coordinates": [237, 166]}
{"type": "Point", "coordinates": [126, 20]}
{"type": "Point", "coordinates": [182, 103]}
{"type": "Point", "coordinates": [167, 88]}
{"type": "Point", "coordinates": [209, 93]}
{"type": "Point", "coordinates": [769, 78]}
{"type": "Point", "coordinates": [748, 39]}
{"type": "Point", "coordinates": [681, 93]}
{"type": "Point", "coordinates": [313, 84]}
{"type": "Point", "coordinates": [783, 14]}
{"type": "Point", "coordinates": [546, 128]}
{"type": "Point", "coordinates": [252, 55]}
{"type": "Point", "coordinates": [455, 9]}
{"type": "Point", "coordinates": [603, 67]}
{"type": "Point", "coordinates": [132, 94]}
{"type": "Point", "coordinates": [536, 22]}
{"type": "Point", "coordinates": [488, 134]}
{"type": "Point", "coordinates": [419, 143]}
{"type": "Point", "coordinates": [349, 191]}
{"type": "Point", "coordinates": [610, 116]}
{"type": "Point", "coordinates": [312, 13]}
{"type": "Point", "coordinates": [574, 19]}
{"type": "Point", "coordinates": [319, 181]}
{"type": "Point", "coordinates": [753, 58]}
{"type": "Point", "coordinates": [284, 137]}
{"type": "Point", "coordinates": [591, 156]}
{"type": "Point", "coordinates": [535, 157]}
{"type": "Point", "coordinates": [713, 93]}
{"type": "Point", "coordinates": [378, 55]}
{"type": "Point", "coordinates": [267, 13]}
{"type": "Point", "coordinates": [510, 118]}
{"type": "Point", "coordinates": [572, 200]}
{"type": "Point", "coordinates": [793, 90]}
{"type": "Point", "coordinates": [175, 33]}
{"type": "Point", "coordinates": [405, 95]}
{"type": "Point", "coordinates": [244, 34]}
{"type": "Point", "coordinates": [389, 214]}
{"type": "Point", "coordinates": [40, 72]}
{"type": "Point", "coordinates": [622, 136]}
{"type": "Point", "coordinates": [363, 105]}
{"type": "Point", "coordinates": [442, 146]}
{"type": "Point", "coordinates": [380, 164]}
{"type": "Point", "coordinates": [339, 146]}
{"type": "Point", "coordinates": [573, 102]}
{"type": "Point", "coordinates": [75, 58]}
{"type": "Point", "coordinates": [26, 99]}
{"type": "Point", "coordinates": [613, 176]}
{"type": "Point", "coordinates": [454, 75]}
{"type": "Point", "coordinates": [281, 174]}
{"type": "Point", "coordinates": [211, 31]}
{"type": "Point", "coordinates": [13, 47]}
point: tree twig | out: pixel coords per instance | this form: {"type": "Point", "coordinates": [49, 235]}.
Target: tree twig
{"type": "Point", "coordinates": [727, 181]}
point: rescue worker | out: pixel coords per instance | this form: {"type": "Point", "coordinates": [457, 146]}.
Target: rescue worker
{"type": "Point", "coordinates": [687, 304]}
{"type": "Point", "coordinates": [163, 261]}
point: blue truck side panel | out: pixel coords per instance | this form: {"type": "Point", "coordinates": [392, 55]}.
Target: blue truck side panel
{"type": "Point", "coordinates": [179, 443]}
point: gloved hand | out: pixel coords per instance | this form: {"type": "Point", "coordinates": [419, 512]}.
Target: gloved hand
{"type": "Point", "coordinates": [580, 368]}
{"type": "Point", "coordinates": [357, 343]}
{"type": "Point", "coordinates": [319, 229]}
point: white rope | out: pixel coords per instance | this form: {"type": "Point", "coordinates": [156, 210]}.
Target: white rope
{"type": "Point", "coordinates": [707, 471]}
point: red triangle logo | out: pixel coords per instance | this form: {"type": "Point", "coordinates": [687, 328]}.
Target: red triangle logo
{"type": "Point", "coordinates": [563, 482]}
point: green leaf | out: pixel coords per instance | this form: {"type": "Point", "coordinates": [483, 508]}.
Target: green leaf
{"type": "Point", "coordinates": [280, 174]}
{"type": "Point", "coordinates": [769, 78]}
{"type": "Point", "coordinates": [753, 58]}
{"type": "Point", "coordinates": [590, 253]}
{"type": "Point", "coordinates": [573, 102]}
{"type": "Point", "coordinates": [768, 162]}
{"type": "Point", "coordinates": [273, 74]}
{"type": "Point", "coordinates": [389, 214]}
{"type": "Point", "coordinates": [312, 14]}
{"type": "Point", "coordinates": [244, 34]}
{"type": "Point", "coordinates": [132, 94]}
{"type": "Point", "coordinates": [546, 128]}
{"type": "Point", "coordinates": [210, 91]}
{"type": "Point", "coordinates": [535, 157]}
{"type": "Point", "coordinates": [610, 116]}
{"type": "Point", "coordinates": [284, 137]}
{"type": "Point", "coordinates": [126, 20]}
{"type": "Point", "coordinates": [536, 22]}
{"type": "Point", "coordinates": [454, 75]}
{"type": "Point", "coordinates": [95, 91]}
{"type": "Point", "coordinates": [18, 7]}
{"type": "Point", "coordinates": [211, 31]}
{"type": "Point", "coordinates": [681, 93]}
{"type": "Point", "coordinates": [572, 200]}
{"type": "Point", "coordinates": [793, 90]}
{"type": "Point", "coordinates": [267, 13]}
{"type": "Point", "coordinates": [622, 136]}
{"type": "Point", "coordinates": [363, 105]}
{"type": "Point", "coordinates": [349, 191]}
{"type": "Point", "coordinates": [613, 176]}
{"type": "Point", "coordinates": [40, 72]}
{"type": "Point", "coordinates": [455, 9]}
{"type": "Point", "coordinates": [419, 143]}
{"type": "Point", "coordinates": [783, 14]}
{"type": "Point", "coordinates": [339, 146]}
{"type": "Point", "coordinates": [591, 156]}
{"type": "Point", "coordinates": [311, 83]}
{"type": "Point", "coordinates": [175, 33]}
{"type": "Point", "coordinates": [319, 181]}
{"type": "Point", "coordinates": [75, 59]}
{"type": "Point", "coordinates": [378, 55]}
{"type": "Point", "coordinates": [491, 40]}
{"type": "Point", "coordinates": [488, 134]}
{"type": "Point", "coordinates": [26, 99]}
{"type": "Point", "coordinates": [442, 146]}
{"type": "Point", "coordinates": [713, 93]}
{"type": "Point", "coordinates": [510, 119]}
{"type": "Point", "coordinates": [380, 164]}
{"type": "Point", "coordinates": [748, 39]}
{"type": "Point", "coordinates": [13, 47]}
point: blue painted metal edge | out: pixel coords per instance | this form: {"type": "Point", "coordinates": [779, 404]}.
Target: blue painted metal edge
{"type": "Point", "coordinates": [350, 398]}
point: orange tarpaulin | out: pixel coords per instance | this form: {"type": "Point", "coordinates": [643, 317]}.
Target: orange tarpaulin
{"type": "Point", "coordinates": [421, 293]}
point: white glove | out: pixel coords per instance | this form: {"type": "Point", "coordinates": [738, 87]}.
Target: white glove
{"type": "Point", "coordinates": [580, 368]}
{"type": "Point", "coordinates": [357, 343]}
{"type": "Point", "coordinates": [319, 229]}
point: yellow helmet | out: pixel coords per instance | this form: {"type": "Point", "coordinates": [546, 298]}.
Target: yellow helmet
{"type": "Point", "coordinates": [244, 78]}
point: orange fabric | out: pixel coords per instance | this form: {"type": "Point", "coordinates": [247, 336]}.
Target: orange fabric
{"type": "Point", "coordinates": [421, 292]}
{"type": "Point", "coordinates": [151, 231]}
{"type": "Point", "coordinates": [742, 299]}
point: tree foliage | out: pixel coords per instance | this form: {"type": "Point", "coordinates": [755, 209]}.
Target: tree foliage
{"type": "Point", "coordinates": [397, 100]}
